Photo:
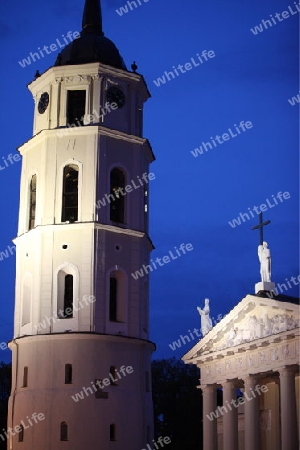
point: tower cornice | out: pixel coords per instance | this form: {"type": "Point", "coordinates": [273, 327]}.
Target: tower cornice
{"type": "Point", "coordinates": [93, 70]}
{"type": "Point", "coordinates": [89, 130]}
{"type": "Point", "coordinates": [126, 231]}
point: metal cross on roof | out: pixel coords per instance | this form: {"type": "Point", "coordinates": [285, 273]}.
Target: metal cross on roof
{"type": "Point", "coordinates": [260, 227]}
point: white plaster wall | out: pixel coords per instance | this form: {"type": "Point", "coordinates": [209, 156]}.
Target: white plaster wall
{"type": "Point", "coordinates": [129, 406]}
{"type": "Point", "coordinates": [132, 254]}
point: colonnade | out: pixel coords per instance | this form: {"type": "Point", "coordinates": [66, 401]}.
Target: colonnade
{"type": "Point", "coordinates": [251, 401]}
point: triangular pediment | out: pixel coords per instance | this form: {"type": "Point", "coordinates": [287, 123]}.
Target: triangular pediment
{"type": "Point", "coordinates": [252, 320]}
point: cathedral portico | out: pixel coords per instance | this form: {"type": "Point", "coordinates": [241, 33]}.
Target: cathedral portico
{"type": "Point", "coordinates": [252, 355]}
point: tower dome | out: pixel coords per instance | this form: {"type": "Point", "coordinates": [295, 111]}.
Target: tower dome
{"type": "Point", "coordinates": [92, 45]}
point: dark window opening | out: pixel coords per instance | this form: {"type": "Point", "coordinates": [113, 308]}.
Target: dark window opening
{"type": "Point", "coordinates": [32, 203]}
{"type": "Point", "coordinates": [113, 292]}
{"type": "Point", "coordinates": [113, 377]}
{"type": "Point", "coordinates": [117, 204]}
{"type": "Point", "coordinates": [25, 377]}
{"type": "Point", "coordinates": [68, 297]}
{"type": "Point", "coordinates": [76, 107]}
{"type": "Point", "coordinates": [63, 431]}
{"type": "Point", "coordinates": [70, 194]}
{"type": "Point", "coordinates": [68, 373]}
{"type": "Point", "coordinates": [112, 432]}
{"type": "Point", "coordinates": [21, 434]}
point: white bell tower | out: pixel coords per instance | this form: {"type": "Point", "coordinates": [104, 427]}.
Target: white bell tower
{"type": "Point", "coordinates": [81, 319]}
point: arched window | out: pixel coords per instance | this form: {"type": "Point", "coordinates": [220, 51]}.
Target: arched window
{"type": "Point", "coordinates": [63, 431]}
{"type": "Point", "coordinates": [70, 194]}
{"type": "Point", "coordinates": [32, 202]}
{"type": "Point", "coordinates": [68, 296]}
{"type": "Point", "coordinates": [112, 432]}
{"type": "Point", "coordinates": [68, 374]}
{"type": "Point", "coordinates": [117, 296]}
{"type": "Point", "coordinates": [65, 300]}
{"type": "Point", "coordinates": [21, 434]}
{"type": "Point", "coordinates": [117, 204]}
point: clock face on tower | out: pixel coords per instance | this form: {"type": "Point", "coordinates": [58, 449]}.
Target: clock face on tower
{"type": "Point", "coordinates": [115, 95]}
{"type": "Point", "coordinates": [43, 103]}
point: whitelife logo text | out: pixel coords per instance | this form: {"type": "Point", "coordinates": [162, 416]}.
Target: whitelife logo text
{"type": "Point", "coordinates": [162, 261]}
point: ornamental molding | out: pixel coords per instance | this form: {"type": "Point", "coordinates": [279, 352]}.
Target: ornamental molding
{"type": "Point", "coordinates": [257, 327]}
{"type": "Point", "coordinates": [255, 361]}
{"type": "Point", "coordinates": [77, 79]}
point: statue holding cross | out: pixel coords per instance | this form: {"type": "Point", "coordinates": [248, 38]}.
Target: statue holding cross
{"type": "Point", "coordinates": [264, 253]}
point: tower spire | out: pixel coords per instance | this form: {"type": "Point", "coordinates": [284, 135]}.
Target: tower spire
{"type": "Point", "coordinates": [92, 18]}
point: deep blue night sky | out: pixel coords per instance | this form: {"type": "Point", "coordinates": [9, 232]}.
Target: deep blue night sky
{"type": "Point", "coordinates": [250, 78]}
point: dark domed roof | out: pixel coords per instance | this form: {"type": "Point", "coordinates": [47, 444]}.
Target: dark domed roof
{"type": "Point", "coordinates": [91, 46]}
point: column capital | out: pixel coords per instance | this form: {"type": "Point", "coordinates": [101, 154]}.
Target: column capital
{"type": "Point", "coordinates": [229, 383]}
{"type": "Point", "coordinates": [208, 387]}
{"type": "Point", "coordinates": [286, 371]}
{"type": "Point", "coordinates": [251, 378]}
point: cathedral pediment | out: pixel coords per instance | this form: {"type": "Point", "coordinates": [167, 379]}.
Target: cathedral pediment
{"type": "Point", "coordinates": [254, 320]}
{"type": "Point", "coordinates": [259, 335]}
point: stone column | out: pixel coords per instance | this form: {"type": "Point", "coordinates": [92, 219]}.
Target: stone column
{"type": "Point", "coordinates": [251, 416]}
{"type": "Point", "coordinates": [288, 409]}
{"type": "Point", "coordinates": [230, 416]}
{"type": "Point", "coordinates": [210, 435]}
{"type": "Point", "coordinates": [271, 435]}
